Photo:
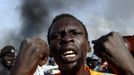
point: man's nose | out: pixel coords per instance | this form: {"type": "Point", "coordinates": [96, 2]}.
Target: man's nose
{"type": "Point", "coordinates": [67, 39]}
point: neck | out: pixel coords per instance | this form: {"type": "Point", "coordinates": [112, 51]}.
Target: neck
{"type": "Point", "coordinates": [78, 71]}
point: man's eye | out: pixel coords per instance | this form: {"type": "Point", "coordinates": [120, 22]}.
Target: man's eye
{"type": "Point", "coordinates": [77, 33]}
{"type": "Point", "coordinates": [6, 57]}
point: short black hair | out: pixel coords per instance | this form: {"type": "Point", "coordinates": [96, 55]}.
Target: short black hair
{"type": "Point", "coordinates": [62, 16]}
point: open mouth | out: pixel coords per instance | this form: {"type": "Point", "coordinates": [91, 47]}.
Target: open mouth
{"type": "Point", "coordinates": [69, 55]}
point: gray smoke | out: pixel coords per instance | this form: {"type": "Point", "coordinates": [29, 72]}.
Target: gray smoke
{"type": "Point", "coordinates": [34, 15]}
{"type": "Point", "coordinates": [100, 17]}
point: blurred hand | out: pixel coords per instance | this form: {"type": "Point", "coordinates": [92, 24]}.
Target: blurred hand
{"type": "Point", "coordinates": [33, 52]}
{"type": "Point", "coordinates": [112, 48]}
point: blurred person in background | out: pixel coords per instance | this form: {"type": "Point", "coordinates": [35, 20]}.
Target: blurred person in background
{"type": "Point", "coordinates": [7, 59]}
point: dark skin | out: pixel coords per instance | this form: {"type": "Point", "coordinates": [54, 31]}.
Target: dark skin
{"type": "Point", "coordinates": [112, 48]}
{"type": "Point", "coordinates": [67, 34]}
{"type": "Point", "coordinates": [8, 60]}
{"type": "Point", "coordinates": [33, 52]}
{"type": "Point", "coordinates": [68, 45]}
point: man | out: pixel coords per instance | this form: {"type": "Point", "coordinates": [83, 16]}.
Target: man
{"type": "Point", "coordinates": [7, 58]}
{"type": "Point", "coordinates": [68, 44]}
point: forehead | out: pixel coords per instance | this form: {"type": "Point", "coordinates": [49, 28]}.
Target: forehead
{"type": "Point", "coordinates": [67, 23]}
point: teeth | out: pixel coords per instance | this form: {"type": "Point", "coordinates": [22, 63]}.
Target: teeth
{"type": "Point", "coordinates": [69, 52]}
{"type": "Point", "coordinates": [72, 55]}
{"type": "Point", "coordinates": [8, 62]}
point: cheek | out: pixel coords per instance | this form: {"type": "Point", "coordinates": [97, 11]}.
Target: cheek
{"type": "Point", "coordinates": [54, 43]}
{"type": "Point", "coordinates": [54, 52]}
{"type": "Point", "coordinates": [83, 44]}
{"type": "Point", "coordinates": [4, 61]}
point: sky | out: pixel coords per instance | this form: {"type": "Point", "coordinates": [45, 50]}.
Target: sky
{"type": "Point", "coordinates": [99, 16]}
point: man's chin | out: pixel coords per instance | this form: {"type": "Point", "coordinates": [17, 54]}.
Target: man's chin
{"type": "Point", "coordinates": [69, 66]}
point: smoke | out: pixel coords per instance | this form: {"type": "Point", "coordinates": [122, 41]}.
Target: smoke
{"type": "Point", "coordinates": [100, 17]}
{"type": "Point", "coordinates": [34, 15]}
{"type": "Point", "coordinates": [37, 15]}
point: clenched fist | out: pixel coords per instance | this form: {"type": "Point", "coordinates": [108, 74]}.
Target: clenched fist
{"type": "Point", "coordinates": [33, 52]}
{"type": "Point", "coordinates": [112, 48]}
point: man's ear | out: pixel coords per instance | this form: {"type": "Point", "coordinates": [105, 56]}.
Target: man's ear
{"type": "Point", "coordinates": [89, 46]}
